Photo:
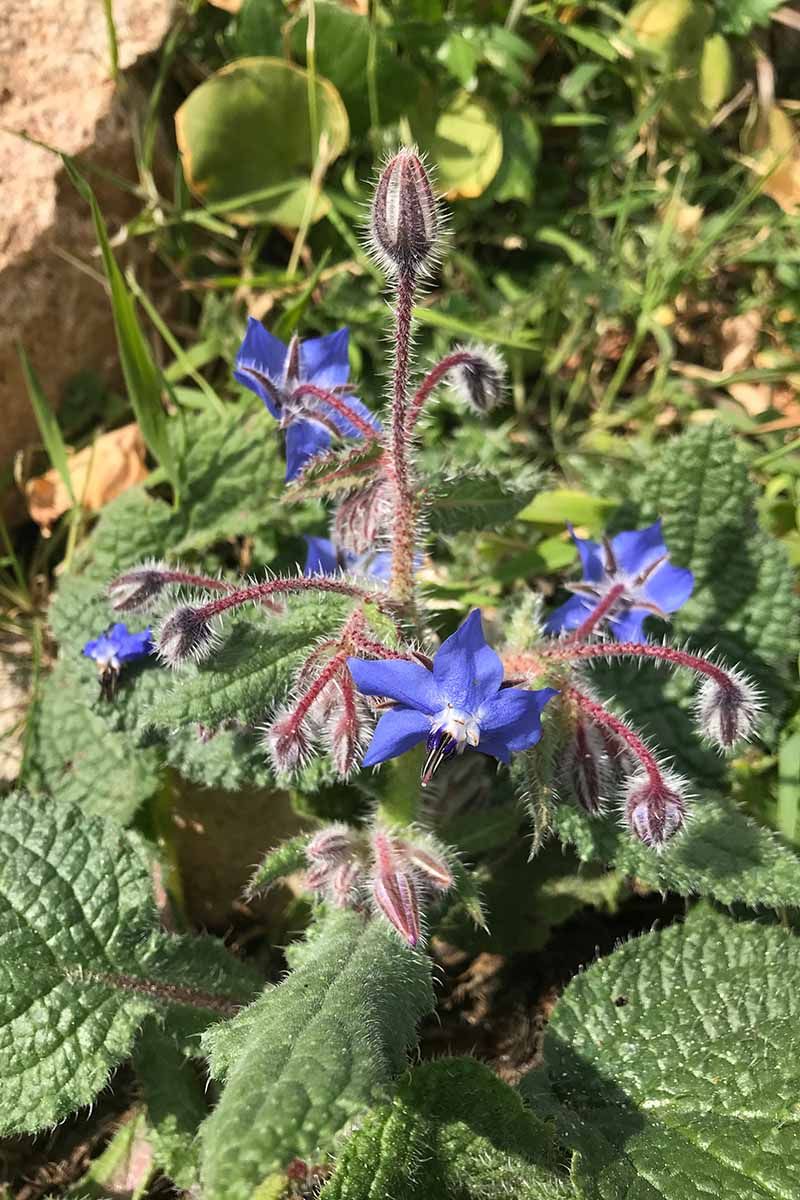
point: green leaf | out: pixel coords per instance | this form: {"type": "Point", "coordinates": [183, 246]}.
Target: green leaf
{"type": "Point", "coordinates": [73, 754]}
{"type": "Point", "coordinates": [245, 140]}
{"type": "Point", "coordinates": [252, 670]}
{"type": "Point", "coordinates": [453, 1130]}
{"type": "Point", "coordinates": [721, 853]}
{"type": "Point", "coordinates": [465, 141]}
{"type": "Point", "coordinates": [560, 505]}
{"type": "Point", "coordinates": [674, 1061]}
{"type": "Point", "coordinates": [175, 1103]}
{"type": "Point", "coordinates": [313, 1053]}
{"type": "Point", "coordinates": [470, 502]}
{"type": "Point", "coordinates": [47, 422]}
{"type": "Point", "coordinates": [282, 861]}
{"type": "Point", "coordinates": [740, 16]}
{"type": "Point", "coordinates": [83, 960]}
{"type": "Point", "coordinates": [143, 379]}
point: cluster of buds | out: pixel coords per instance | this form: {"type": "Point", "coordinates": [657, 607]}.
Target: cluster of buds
{"type": "Point", "coordinates": [394, 874]}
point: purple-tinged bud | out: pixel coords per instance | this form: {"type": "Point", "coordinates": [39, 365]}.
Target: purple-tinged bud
{"type": "Point", "coordinates": [394, 891]}
{"type": "Point", "coordinates": [346, 730]}
{"type": "Point", "coordinates": [185, 634]}
{"type": "Point", "coordinates": [362, 518]}
{"type": "Point", "coordinates": [318, 877]}
{"type": "Point", "coordinates": [346, 883]}
{"type": "Point", "coordinates": [287, 741]}
{"type": "Point", "coordinates": [728, 712]}
{"type": "Point", "coordinates": [585, 767]}
{"type": "Point", "coordinates": [331, 844]}
{"type": "Point", "coordinates": [135, 590]}
{"type": "Point", "coordinates": [405, 217]}
{"type": "Point", "coordinates": [655, 809]}
{"type": "Point", "coordinates": [433, 867]}
{"type": "Point", "coordinates": [479, 380]}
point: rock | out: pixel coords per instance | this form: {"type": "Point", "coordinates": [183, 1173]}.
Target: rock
{"type": "Point", "coordinates": [55, 86]}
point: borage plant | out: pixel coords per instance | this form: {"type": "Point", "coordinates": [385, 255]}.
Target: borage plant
{"type": "Point", "coordinates": [334, 672]}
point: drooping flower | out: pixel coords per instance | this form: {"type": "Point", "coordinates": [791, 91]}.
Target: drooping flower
{"type": "Point", "coordinates": [112, 650]}
{"type": "Point", "coordinates": [279, 374]}
{"type": "Point", "coordinates": [460, 703]}
{"type": "Point", "coordinates": [633, 574]}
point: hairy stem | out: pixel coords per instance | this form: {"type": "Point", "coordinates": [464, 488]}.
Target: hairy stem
{"type": "Point", "coordinates": [378, 650]}
{"type": "Point", "coordinates": [567, 651]}
{"type": "Point", "coordinates": [622, 732]}
{"type": "Point", "coordinates": [306, 583]}
{"type": "Point", "coordinates": [596, 615]}
{"type": "Point", "coordinates": [172, 993]}
{"type": "Point", "coordinates": [430, 382]}
{"type": "Point", "coordinates": [339, 405]}
{"type": "Point", "coordinates": [404, 516]}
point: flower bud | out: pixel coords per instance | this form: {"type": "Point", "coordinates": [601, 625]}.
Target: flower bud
{"type": "Point", "coordinates": [185, 634]}
{"type": "Point", "coordinates": [346, 882]}
{"type": "Point", "coordinates": [393, 889]}
{"type": "Point", "coordinates": [585, 767]}
{"type": "Point", "coordinates": [655, 809]}
{"type": "Point", "coordinates": [728, 713]}
{"type": "Point", "coordinates": [405, 218]}
{"type": "Point", "coordinates": [360, 519]}
{"type": "Point", "coordinates": [331, 844]}
{"type": "Point", "coordinates": [480, 380]}
{"type": "Point", "coordinates": [287, 742]}
{"type": "Point", "coordinates": [135, 590]}
{"type": "Point", "coordinates": [432, 867]}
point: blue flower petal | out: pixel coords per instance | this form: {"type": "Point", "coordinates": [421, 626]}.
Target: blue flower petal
{"type": "Point", "coordinates": [100, 649]}
{"type": "Point", "coordinates": [568, 615]}
{"type": "Point", "coordinates": [669, 587]}
{"type": "Point", "coordinates": [466, 669]}
{"type": "Point", "coordinates": [304, 439]}
{"type": "Point", "coordinates": [324, 361]}
{"type": "Point", "coordinates": [397, 731]}
{"type": "Point", "coordinates": [513, 717]}
{"type": "Point", "coordinates": [117, 643]}
{"type": "Point", "coordinates": [636, 549]}
{"type": "Point", "coordinates": [591, 556]}
{"type": "Point", "coordinates": [267, 354]}
{"type": "Point", "coordinates": [321, 558]}
{"type": "Point", "coordinates": [407, 682]}
{"type": "Point", "coordinates": [628, 625]}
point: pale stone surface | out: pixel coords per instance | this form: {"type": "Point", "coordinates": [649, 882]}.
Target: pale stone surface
{"type": "Point", "coordinates": [55, 87]}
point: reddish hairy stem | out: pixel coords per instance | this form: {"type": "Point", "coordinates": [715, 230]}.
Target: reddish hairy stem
{"type": "Point", "coordinates": [566, 651]}
{"type": "Point", "coordinates": [310, 583]}
{"type": "Point", "coordinates": [601, 610]}
{"type": "Point", "coordinates": [198, 581]}
{"type": "Point", "coordinates": [339, 405]}
{"type": "Point", "coordinates": [380, 651]}
{"type": "Point", "coordinates": [402, 577]}
{"type": "Point", "coordinates": [431, 381]}
{"type": "Point", "coordinates": [327, 673]}
{"type": "Point", "coordinates": [607, 720]}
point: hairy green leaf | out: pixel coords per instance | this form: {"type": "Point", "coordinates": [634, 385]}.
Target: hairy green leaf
{"type": "Point", "coordinates": [83, 962]}
{"type": "Point", "coordinates": [721, 853]}
{"type": "Point", "coordinates": [285, 859]}
{"type": "Point", "coordinates": [313, 1053]}
{"type": "Point", "coordinates": [674, 1061]}
{"type": "Point", "coordinates": [475, 502]}
{"type": "Point", "coordinates": [453, 1129]}
{"type": "Point", "coordinates": [175, 1103]}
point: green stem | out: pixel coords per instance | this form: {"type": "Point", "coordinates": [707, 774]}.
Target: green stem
{"type": "Point", "coordinates": [113, 47]}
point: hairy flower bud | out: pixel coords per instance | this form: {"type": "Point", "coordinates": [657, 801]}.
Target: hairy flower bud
{"type": "Point", "coordinates": [585, 768]}
{"type": "Point", "coordinates": [479, 380]}
{"type": "Point", "coordinates": [185, 633]}
{"type": "Point", "coordinates": [360, 519]}
{"type": "Point", "coordinates": [331, 844]}
{"type": "Point", "coordinates": [346, 883]}
{"type": "Point", "coordinates": [287, 742]}
{"type": "Point", "coordinates": [405, 218]}
{"type": "Point", "coordinates": [728, 713]}
{"type": "Point", "coordinates": [135, 590]}
{"type": "Point", "coordinates": [432, 867]}
{"type": "Point", "coordinates": [655, 809]}
{"type": "Point", "coordinates": [394, 890]}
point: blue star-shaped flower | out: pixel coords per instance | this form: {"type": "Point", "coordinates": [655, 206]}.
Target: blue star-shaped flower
{"type": "Point", "coordinates": [323, 558]}
{"type": "Point", "coordinates": [637, 560]}
{"type": "Point", "coordinates": [117, 646]}
{"type": "Point", "coordinates": [276, 373]}
{"type": "Point", "coordinates": [460, 703]}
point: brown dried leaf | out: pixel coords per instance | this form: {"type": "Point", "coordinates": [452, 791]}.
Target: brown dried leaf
{"type": "Point", "coordinates": [113, 463]}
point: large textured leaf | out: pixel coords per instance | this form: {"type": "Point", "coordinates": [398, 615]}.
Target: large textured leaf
{"type": "Point", "coordinates": [75, 754]}
{"type": "Point", "coordinates": [246, 130]}
{"type": "Point", "coordinates": [313, 1053]}
{"type": "Point", "coordinates": [453, 1130]}
{"type": "Point", "coordinates": [175, 1103]}
{"type": "Point", "coordinates": [675, 1063]}
{"type": "Point", "coordinates": [721, 853]}
{"type": "Point", "coordinates": [82, 961]}
{"type": "Point", "coordinates": [252, 670]}
{"type": "Point", "coordinates": [470, 502]}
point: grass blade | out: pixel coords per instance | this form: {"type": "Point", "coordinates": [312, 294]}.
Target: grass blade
{"type": "Point", "coordinates": [47, 422]}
